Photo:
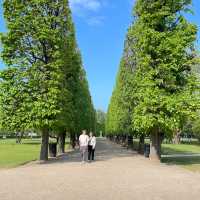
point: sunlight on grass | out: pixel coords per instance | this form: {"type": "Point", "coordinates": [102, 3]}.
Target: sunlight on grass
{"type": "Point", "coordinates": [168, 149]}
{"type": "Point", "coordinates": [12, 154]}
{"type": "Point", "coordinates": [191, 163]}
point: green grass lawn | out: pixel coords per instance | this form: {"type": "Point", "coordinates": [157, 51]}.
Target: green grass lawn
{"type": "Point", "coordinates": [168, 149]}
{"type": "Point", "coordinates": [191, 163]}
{"type": "Point", "coordinates": [12, 154]}
{"type": "Point", "coordinates": [186, 148]}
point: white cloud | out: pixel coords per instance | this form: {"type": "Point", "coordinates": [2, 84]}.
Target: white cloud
{"type": "Point", "coordinates": [88, 10]}
{"type": "Point", "coordinates": [91, 10]}
{"type": "Point", "coordinates": [91, 5]}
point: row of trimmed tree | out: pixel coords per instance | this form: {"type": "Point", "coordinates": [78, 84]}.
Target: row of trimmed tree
{"type": "Point", "coordinates": [156, 89]}
{"type": "Point", "coordinates": [44, 86]}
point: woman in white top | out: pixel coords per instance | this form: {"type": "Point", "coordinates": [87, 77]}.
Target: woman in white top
{"type": "Point", "coordinates": [91, 146]}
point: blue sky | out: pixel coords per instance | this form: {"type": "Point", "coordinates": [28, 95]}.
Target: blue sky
{"type": "Point", "coordinates": [101, 26]}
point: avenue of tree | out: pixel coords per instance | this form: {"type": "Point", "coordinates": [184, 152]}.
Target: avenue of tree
{"type": "Point", "coordinates": [156, 90]}
{"type": "Point", "coordinates": [44, 87]}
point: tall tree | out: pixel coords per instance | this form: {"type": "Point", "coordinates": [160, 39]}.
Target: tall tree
{"type": "Point", "coordinates": [156, 83]}
{"type": "Point", "coordinates": [34, 49]}
{"type": "Point", "coordinates": [85, 115]}
{"type": "Point", "coordinates": [119, 112]}
{"type": "Point", "coordinates": [72, 72]}
{"type": "Point", "coordinates": [164, 83]}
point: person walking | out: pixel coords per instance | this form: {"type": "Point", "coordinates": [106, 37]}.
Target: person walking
{"type": "Point", "coordinates": [83, 144]}
{"type": "Point", "coordinates": [91, 147]}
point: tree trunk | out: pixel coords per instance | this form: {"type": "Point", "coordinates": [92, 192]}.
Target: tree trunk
{"type": "Point", "coordinates": [124, 140]}
{"type": "Point", "coordinates": [130, 142]}
{"type": "Point", "coordinates": [155, 148]}
{"type": "Point", "coordinates": [118, 139]}
{"type": "Point", "coordinates": [177, 137]}
{"type": "Point", "coordinates": [44, 145]}
{"type": "Point", "coordinates": [141, 145]}
{"type": "Point", "coordinates": [19, 137]}
{"type": "Point", "coordinates": [61, 142]}
{"type": "Point", "coordinates": [73, 140]}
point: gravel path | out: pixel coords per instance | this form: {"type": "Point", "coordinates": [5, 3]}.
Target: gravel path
{"type": "Point", "coordinates": [117, 174]}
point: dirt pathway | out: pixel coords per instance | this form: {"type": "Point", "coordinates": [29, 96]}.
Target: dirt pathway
{"type": "Point", "coordinates": [117, 174]}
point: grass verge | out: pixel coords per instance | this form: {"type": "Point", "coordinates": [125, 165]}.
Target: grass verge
{"type": "Point", "coordinates": [190, 162]}
{"type": "Point", "coordinates": [13, 155]}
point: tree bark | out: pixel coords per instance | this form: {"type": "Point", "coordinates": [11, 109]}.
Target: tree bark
{"type": "Point", "coordinates": [141, 145]}
{"type": "Point", "coordinates": [19, 137]}
{"type": "Point", "coordinates": [61, 142]}
{"type": "Point", "coordinates": [44, 145]}
{"type": "Point", "coordinates": [130, 141]}
{"type": "Point", "coordinates": [155, 148]}
{"type": "Point", "coordinates": [124, 141]}
{"type": "Point", "coordinates": [73, 140]}
{"type": "Point", "coordinates": [177, 137]}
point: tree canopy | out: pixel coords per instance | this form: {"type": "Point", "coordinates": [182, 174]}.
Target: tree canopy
{"type": "Point", "coordinates": [156, 87]}
{"type": "Point", "coordinates": [45, 77]}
